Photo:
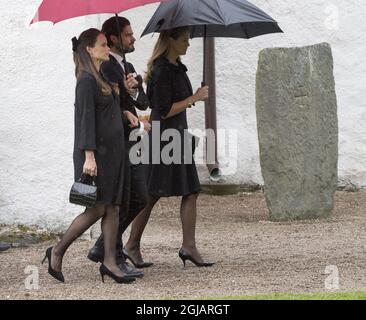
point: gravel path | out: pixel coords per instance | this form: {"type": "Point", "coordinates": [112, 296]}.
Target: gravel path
{"type": "Point", "coordinates": [253, 255]}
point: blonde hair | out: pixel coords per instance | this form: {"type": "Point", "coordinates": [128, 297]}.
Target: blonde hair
{"type": "Point", "coordinates": [162, 47]}
{"type": "Point", "coordinates": [83, 61]}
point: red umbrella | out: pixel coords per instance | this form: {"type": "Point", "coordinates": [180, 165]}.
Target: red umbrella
{"type": "Point", "coordinates": [59, 10]}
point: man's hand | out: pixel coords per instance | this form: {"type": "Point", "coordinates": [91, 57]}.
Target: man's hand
{"type": "Point", "coordinates": [131, 85]}
{"type": "Point", "coordinates": [134, 121]}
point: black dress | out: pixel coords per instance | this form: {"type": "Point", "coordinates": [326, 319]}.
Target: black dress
{"type": "Point", "coordinates": [99, 127]}
{"type": "Point", "coordinates": [169, 83]}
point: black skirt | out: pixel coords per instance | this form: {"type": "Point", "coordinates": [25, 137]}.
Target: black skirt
{"type": "Point", "coordinates": [169, 84]}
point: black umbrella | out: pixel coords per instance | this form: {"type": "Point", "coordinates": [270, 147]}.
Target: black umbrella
{"type": "Point", "coordinates": [213, 18]}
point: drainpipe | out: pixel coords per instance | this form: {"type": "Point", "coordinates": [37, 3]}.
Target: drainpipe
{"type": "Point", "coordinates": [210, 104]}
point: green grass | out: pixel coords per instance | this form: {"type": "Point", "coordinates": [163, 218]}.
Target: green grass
{"type": "Point", "coordinates": [356, 295]}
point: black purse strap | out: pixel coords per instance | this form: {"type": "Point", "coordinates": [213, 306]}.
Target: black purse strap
{"type": "Point", "coordinates": [85, 178]}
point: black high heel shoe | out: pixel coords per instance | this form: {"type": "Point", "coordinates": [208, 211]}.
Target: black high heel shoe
{"type": "Point", "coordinates": [56, 274]}
{"type": "Point", "coordinates": [137, 265]}
{"type": "Point", "coordinates": [105, 271]}
{"type": "Point", "coordinates": [185, 256]}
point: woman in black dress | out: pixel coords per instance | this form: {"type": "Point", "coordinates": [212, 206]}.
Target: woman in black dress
{"type": "Point", "coordinates": [170, 94]}
{"type": "Point", "coordinates": [98, 151]}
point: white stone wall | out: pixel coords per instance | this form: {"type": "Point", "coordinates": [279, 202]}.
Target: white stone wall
{"type": "Point", "coordinates": [37, 94]}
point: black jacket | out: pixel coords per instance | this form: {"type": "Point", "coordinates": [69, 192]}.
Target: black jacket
{"type": "Point", "coordinates": [113, 72]}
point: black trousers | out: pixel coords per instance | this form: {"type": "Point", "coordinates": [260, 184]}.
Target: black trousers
{"type": "Point", "coordinates": [135, 189]}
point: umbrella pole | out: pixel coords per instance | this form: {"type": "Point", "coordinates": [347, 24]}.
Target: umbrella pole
{"type": "Point", "coordinates": [121, 44]}
{"type": "Point", "coordinates": [210, 108]}
{"type": "Point", "coordinates": [203, 83]}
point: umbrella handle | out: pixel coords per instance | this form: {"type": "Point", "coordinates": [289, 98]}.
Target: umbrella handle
{"type": "Point", "coordinates": [127, 71]}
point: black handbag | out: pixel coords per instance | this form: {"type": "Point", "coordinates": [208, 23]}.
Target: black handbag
{"type": "Point", "coordinates": [84, 193]}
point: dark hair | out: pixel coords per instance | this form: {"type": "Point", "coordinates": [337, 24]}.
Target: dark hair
{"type": "Point", "coordinates": [83, 61]}
{"type": "Point", "coordinates": [109, 27]}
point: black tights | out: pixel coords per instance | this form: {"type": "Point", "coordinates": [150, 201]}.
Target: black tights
{"type": "Point", "coordinates": [188, 214]}
{"type": "Point", "coordinates": [110, 218]}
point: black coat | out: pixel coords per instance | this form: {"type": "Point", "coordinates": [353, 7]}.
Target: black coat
{"type": "Point", "coordinates": [98, 127]}
{"type": "Point", "coordinates": [114, 73]}
{"type": "Point", "coordinates": [169, 84]}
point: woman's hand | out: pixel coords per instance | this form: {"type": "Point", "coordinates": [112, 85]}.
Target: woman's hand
{"type": "Point", "coordinates": [90, 166]}
{"type": "Point", "coordinates": [201, 94]}
{"type": "Point", "coordinates": [133, 120]}
{"type": "Point", "coordinates": [115, 87]}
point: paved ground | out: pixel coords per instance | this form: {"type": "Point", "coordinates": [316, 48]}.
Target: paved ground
{"type": "Point", "coordinates": [253, 255]}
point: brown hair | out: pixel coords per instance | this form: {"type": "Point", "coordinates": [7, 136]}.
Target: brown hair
{"type": "Point", "coordinates": [162, 47]}
{"type": "Point", "coordinates": [83, 61]}
{"type": "Point", "coordinates": [110, 27]}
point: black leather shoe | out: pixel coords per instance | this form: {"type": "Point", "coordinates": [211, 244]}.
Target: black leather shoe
{"type": "Point", "coordinates": [4, 246]}
{"type": "Point", "coordinates": [96, 254]}
{"type": "Point", "coordinates": [129, 270]}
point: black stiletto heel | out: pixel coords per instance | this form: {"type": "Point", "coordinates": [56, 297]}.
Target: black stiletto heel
{"type": "Point", "coordinates": [185, 256]}
{"type": "Point", "coordinates": [105, 271]}
{"type": "Point", "coordinates": [137, 265]}
{"type": "Point", "coordinates": [56, 274]}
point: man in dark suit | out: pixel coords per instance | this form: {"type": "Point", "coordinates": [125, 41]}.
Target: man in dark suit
{"type": "Point", "coordinates": [132, 96]}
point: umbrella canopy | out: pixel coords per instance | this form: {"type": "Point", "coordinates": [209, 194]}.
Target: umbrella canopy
{"type": "Point", "coordinates": [59, 10]}
{"type": "Point", "coordinates": [213, 18]}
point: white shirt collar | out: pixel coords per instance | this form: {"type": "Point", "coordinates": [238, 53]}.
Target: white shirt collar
{"type": "Point", "coordinates": [119, 59]}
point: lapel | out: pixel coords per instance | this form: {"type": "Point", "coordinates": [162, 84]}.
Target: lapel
{"type": "Point", "coordinates": [118, 67]}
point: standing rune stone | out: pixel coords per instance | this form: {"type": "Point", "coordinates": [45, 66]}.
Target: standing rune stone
{"type": "Point", "coordinates": [297, 123]}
